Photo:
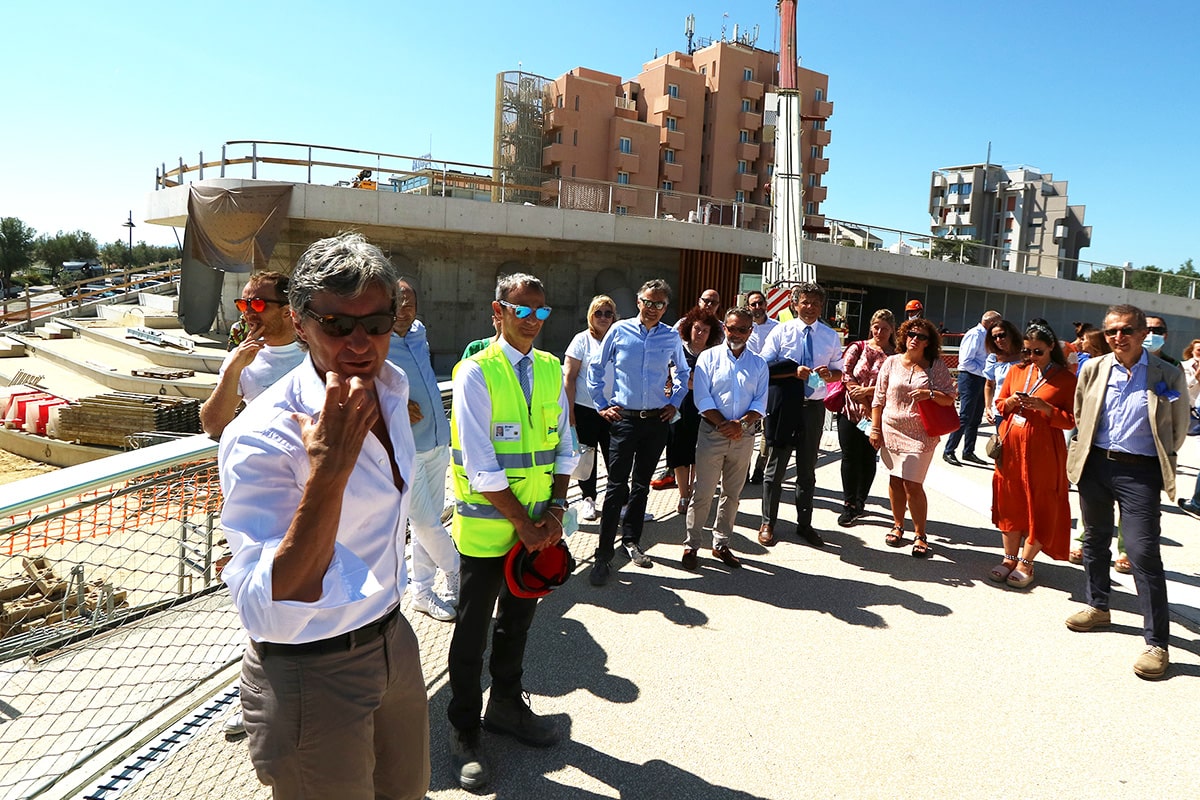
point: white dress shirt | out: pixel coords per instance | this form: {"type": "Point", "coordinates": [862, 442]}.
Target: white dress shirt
{"type": "Point", "coordinates": [759, 334]}
{"type": "Point", "coordinates": [264, 469]}
{"type": "Point", "coordinates": [269, 365]}
{"type": "Point", "coordinates": [472, 414]}
{"type": "Point", "coordinates": [786, 342]}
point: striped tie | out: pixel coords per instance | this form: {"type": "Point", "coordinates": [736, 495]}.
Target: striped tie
{"type": "Point", "coordinates": [526, 379]}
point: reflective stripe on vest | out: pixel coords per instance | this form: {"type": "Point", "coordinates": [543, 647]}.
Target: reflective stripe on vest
{"type": "Point", "coordinates": [540, 458]}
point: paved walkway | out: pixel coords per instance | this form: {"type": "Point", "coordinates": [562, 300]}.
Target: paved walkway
{"type": "Point", "coordinates": [852, 671]}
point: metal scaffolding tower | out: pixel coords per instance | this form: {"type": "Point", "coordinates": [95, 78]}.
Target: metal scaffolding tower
{"type": "Point", "coordinates": [520, 100]}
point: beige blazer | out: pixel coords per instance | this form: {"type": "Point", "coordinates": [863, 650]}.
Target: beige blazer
{"type": "Point", "coordinates": [1170, 419]}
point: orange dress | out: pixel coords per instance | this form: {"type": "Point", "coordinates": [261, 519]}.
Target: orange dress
{"type": "Point", "coordinates": [1030, 487]}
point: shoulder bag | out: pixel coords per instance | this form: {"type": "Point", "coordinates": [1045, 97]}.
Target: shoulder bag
{"type": "Point", "coordinates": [937, 419]}
{"type": "Point", "coordinates": [835, 393]}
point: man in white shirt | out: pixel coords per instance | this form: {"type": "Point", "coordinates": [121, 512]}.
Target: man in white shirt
{"type": "Point", "coordinates": [804, 355]}
{"type": "Point", "coordinates": [972, 357]}
{"type": "Point", "coordinates": [763, 325]}
{"type": "Point", "coordinates": [316, 477]}
{"type": "Point", "coordinates": [268, 352]}
{"type": "Point", "coordinates": [729, 386]}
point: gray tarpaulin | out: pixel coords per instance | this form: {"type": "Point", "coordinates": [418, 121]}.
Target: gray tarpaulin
{"type": "Point", "coordinates": [228, 230]}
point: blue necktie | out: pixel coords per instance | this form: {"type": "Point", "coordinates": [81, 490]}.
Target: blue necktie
{"type": "Point", "coordinates": [808, 358]}
{"type": "Point", "coordinates": [526, 379]}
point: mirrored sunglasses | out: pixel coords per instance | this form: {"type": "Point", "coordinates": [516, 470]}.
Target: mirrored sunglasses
{"type": "Point", "coordinates": [256, 304]}
{"type": "Point", "coordinates": [521, 312]}
{"type": "Point", "coordinates": [339, 325]}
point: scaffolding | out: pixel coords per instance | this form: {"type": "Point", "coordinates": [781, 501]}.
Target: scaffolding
{"type": "Point", "coordinates": [518, 141]}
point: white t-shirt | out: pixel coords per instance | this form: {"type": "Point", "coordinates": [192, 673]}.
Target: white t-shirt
{"type": "Point", "coordinates": [584, 348]}
{"type": "Point", "coordinates": [269, 365]}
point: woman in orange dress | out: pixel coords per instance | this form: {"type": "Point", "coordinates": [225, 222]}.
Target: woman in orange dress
{"type": "Point", "coordinates": [1029, 486]}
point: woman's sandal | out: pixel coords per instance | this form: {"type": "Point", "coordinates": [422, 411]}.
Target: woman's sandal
{"type": "Point", "coordinates": [1122, 564]}
{"type": "Point", "coordinates": [921, 546]}
{"type": "Point", "coordinates": [895, 538]}
{"type": "Point", "coordinates": [1001, 571]}
{"type": "Point", "coordinates": [1022, 576]}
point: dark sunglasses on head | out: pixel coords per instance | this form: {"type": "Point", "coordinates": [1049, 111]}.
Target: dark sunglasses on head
{"type": "Point", "coordinates": [1111, 333]}
{"type": "Point", "coordinates": [738, 328]}
{"type": "Point", "coordinates": [339, 325]}
{"type": "Point", "coordinates": [256, 304]}
{"type": "Point", "coordinates": [1033, 351]}
{"type": "Point", "coordinates": [603, 312]}
{"type": "Point", "coordinates": [1157, 329]}
{"type": "Point", "coordinates": [657, 305]}
{"type": "Point", "coordinates": [924, 337]}
{"type": "Point", "coordinates": [521, 312]}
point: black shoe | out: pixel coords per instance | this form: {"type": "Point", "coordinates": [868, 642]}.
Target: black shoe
{"type": "Point", "coordinates": [860, 512]}
{"type": "Point", "coordinates": [513, 717]}
{"type": "Point", "coordinates": [466, 759]}
{"type": "Point", "coordinates": [756, 479]}
{"type": "Point", "coordinates": [1188, 507]}
{"type": "Point", "coordinates": [600, 572]}
{"type": "Point", "coordinates": [971, 458]}
{"type": "Point", "coordinates": [636, 555]}
{"type": "Point", "coordinates": [951, 459]}
{"type": "Point", "coordinates": [811, 536]}
{"type": "Point", "coordinates": [846, 518]}
{"type": "Point", "coordinates": [689, 560]}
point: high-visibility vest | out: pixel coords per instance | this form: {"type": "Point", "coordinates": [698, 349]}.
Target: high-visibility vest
{"type": "Point", "coordinates": [525, 439]}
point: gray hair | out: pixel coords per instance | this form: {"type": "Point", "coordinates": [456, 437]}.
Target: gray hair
{"type": "Point", "coordinates": [740, 313]}
{"type": "Point", "coordinates": [807, 287]}
{"type": "Point", "coordinates": [655, 285]}
{"type": "Point", "coordinates": [507, 284]}
{"type": "Point", "coordinates": [1125, 310]}
{"type": "Point", "coordinates": [344, 265]}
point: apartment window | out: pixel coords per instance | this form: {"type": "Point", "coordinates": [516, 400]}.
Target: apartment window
{"type": "Point", "coordinates": [747, 105]}
{"type": "Point", "coordinates": [818, 95]}
{"type": "Point", "coordinates": [747, 74]}
{"type": "Point", "coordinates": [558, 137]}
{"type": "Point", "coordinates": [741, 167]}
{"type": "Point", "coordinates": [703, 69]}
{"type": "Point", "coordinates": [815, 151]}
{"type": "Point", "coordinates": [812, 180]}
{"type": "Point", "coordinates": [965, 190]}
{"type": "Point", "coordinates": [622, 177]}
{"type": "Point", "coordinates": [1011, 204]}
{"type": "Point", "coordinates": [739, 196]}
{"type": "Point", "coordinates": [622, 211]}
{"type": "Point", "coordinates": [557, 171]}
{"type": "Point", "coordinates": [743, 136]}
{"type": "Point", "coordinates": [669, 156]}
{"type": "Point", "coordinates": [576, 102]}
{"type": "Point", "coordinates": [672, 123]}
{"type": "Point", "coordinates": [575, 138]}
{"type": "Point", "coordinates": [770, 169]}
{"type": "Point", "coordinates": [572, 170]}
{"type": "Point", "coordinates": [1008, 223]}
{"type": "Point", "coordinates": [818, 125]}
{"type": "Point", "coordinates": [667, 186]}
{"type": "Point", "coordinates": [673, 89]}
{"type": "Point", "coordinates": [558, 101]}
{"type": "Point", "coordinates": [626, 144]}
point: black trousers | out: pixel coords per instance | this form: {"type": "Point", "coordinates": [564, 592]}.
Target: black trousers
{"type": "Point", "coordinates": [807, 444]}
{"type": "Point", "coordinates": [858, 462]}
{"type": "Point", "coordinates": [592, 430]}
{"type": "Point", "coordinates": [481, 582]}
{"type": "Point", "coordinates": [634, 447]}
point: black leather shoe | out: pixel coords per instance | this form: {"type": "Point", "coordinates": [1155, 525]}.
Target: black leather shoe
{"type": "Point", "coordinates": [513, 717]}
{"type": "Point", "coordinates": [951, 459]}
{"type": "Point", "coordinates": [811, 536]}
{"type": "Point", "coordinates": [689, 560]}
{"type": "Point", "coordinates": [846, 518]}
{"type": "Point", "coordinates": [466, 759]}
{"type": "Point", "coordinates": [600, 572]}
{"type": "Point", "coordinates": [756, 479]}
{"type": "Point", "coordinates": [971, 458]}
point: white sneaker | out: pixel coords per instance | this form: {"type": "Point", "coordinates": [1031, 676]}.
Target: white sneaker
{"type": "Point", "coordinates": [587, 508]}
{"type": "Point", "coordinates": [451, 596]}
{"type": "Point", "coordinates": [431, 605]}
{"type": "Point", "coordinates": [235, 725]}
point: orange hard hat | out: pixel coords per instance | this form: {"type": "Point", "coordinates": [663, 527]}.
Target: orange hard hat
{"type": "Point", "coordinates": [914, 305]}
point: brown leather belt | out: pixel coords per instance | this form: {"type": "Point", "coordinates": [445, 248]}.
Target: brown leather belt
{"type": "Point", "coordinates": [334, 644]}
{"type": "Point", "coordinates": [1125, 458]}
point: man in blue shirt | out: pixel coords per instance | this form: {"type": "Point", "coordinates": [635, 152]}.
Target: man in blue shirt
{"type": "Point", "coordinates": [729, 386]}
{"type": "Point", "coordinates": [804, 354]}
{"type": "Point", "coordinates": [646, 394]}
{"type": "Point", "coordinates": [972, 356]}
{"type": "Point", "coordinates": [432, 546]}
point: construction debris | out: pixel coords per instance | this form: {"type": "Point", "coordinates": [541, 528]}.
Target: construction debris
{"type": "Point", "coordinates": [109, 418]}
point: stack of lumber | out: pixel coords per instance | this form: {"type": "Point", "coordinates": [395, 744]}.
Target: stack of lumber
{"type": "Point", "coordinates": [41, 598]}
{"type": "Point", "coordinates": [108, 418]}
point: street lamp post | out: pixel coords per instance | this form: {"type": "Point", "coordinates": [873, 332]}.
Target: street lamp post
{"type": "Point", "coordinates": [129, 224]}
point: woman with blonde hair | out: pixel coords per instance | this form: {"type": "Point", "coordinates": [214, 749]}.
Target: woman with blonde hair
{"type": "Point", "coordinates": [862, 362]}
{"type": "Point", "coordinates": [590, 428]}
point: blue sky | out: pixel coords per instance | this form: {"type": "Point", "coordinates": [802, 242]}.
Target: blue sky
{"type": "Point", "coordinates": [1101, 94]}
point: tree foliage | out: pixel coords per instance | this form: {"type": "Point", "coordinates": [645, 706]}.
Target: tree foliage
{"type": "Point", "coordinates": [966, 251]}
{"type": "Point", "coordinates": [116, 254]}
{"type": "Point", "coordinates": [17, 244]}
{"type": "Point", "coordinates": [1149, 279]}
{"type": "Point", "coordinates": [52, 251]}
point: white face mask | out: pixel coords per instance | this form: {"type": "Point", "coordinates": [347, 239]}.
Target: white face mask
{"type": "Point", "coordinates": [1154, 341]}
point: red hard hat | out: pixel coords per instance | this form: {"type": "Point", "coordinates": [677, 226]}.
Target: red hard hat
{"type": "Point", "coordinates": [531, 575]}
{"type": "Point", "coordinates": [914, 305]}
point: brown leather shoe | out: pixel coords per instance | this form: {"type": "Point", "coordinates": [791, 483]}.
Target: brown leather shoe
{"type": "Point", "coordinates": [765, 535]}
{"type": "Point", "coordinates": [726, 555]}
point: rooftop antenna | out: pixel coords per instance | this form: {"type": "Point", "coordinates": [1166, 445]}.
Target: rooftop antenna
{"type": "Point", "coordinates": [724, 17]}
{"type": "Point", "coordinates": [689, 30]}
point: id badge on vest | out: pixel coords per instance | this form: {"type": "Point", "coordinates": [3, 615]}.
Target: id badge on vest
{"type": "Point", "coordinates": [506, 432]}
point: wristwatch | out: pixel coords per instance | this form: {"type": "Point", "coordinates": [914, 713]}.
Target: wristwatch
{"type": "Point", "coordinates": [931, 394]}
{"type": "Point", "coordinates": [746, 425]}
{"type": "Point", "coordinates": [559, 502]}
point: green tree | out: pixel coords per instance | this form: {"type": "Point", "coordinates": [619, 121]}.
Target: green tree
{"type": "Point", "coordinates": [17, 245]}
{"type": "Point", "coordinates": [52, 251]}
{"type": "Point", "coordinates": [965, 251]}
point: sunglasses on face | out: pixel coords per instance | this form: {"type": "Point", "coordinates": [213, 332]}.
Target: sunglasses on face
{"type": "Point", "coordinates": [1033, 351]}
{"type": "Point", "coordinates": [1111, 333]}
{"type": "Point", "coordinates": [921, 337]}
{"type": "Point", "coordinates": [1157, 329]}
{"type": "Point", "coordinates": [339, 325]}
{"type": "Point", "coordinates": [756, 303]}
{"type": "Point", "coordinates": [708, 302]}
{"type": "Point", "coordinates": [999, 337]}
{"type": "Point", "coordinates": [256, 304]}
{"type": "Point", "coordinates": [521, 312]}
{"type": "Point", "coordinates": [657, 305]}
{"type": "Point", "coordinates": [603, 313]}
{"type": "Point", "coordinates": [738, 329]}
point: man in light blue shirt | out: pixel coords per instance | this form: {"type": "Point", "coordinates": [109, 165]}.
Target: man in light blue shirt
{"type": "Point", "coordinates": [432, 546]}
{"type": "Point", "coordinates": [972, 356]}
{"type": "Point", "coordinates": [804, 355]}
{"type": "Point", "coordinates": [729, 386]}
{"type": "Point", "coordinates": [649, 380]}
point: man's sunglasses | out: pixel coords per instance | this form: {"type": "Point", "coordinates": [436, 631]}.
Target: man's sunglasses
{"type": "Point", "coordinates": [657, 305]}
{"type": "Point", "coordinates": [1033, 351]}
{"type": "Point", "coordinates": [738, 329]}
{"type": "Point", "coordinates": [923, 337]}
{"type": "Point", "coordinates": [1111, 333]}
{"type": "Point", "coordinates": [1157, 329]}
{"type": "Point", "coordinates": [708, 302]}
{"type": "Point", "coordinates": [256, 304]}
{"type": "Point", "coordinates": [339, 325]}
{"type": "Point", "coordinates": [521, 312]}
